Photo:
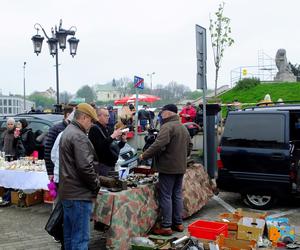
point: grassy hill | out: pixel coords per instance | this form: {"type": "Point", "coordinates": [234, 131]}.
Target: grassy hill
{"type": "Point", "coordinates": [285, 91]}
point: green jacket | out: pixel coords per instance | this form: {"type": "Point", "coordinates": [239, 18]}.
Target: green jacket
{"type": "Point", "coordinates": [171, 147]}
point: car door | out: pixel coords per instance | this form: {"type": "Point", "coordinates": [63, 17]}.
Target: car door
{"type": "Point", "coordinates": [255, 149]}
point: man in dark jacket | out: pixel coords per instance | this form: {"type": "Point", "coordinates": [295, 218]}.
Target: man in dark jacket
{"type": "Point", "coordinates": [170, 151]}
{"type": "Point", "coordinates": [144, 117]}
{"type": "Point", "coordinates": [50, 139]}
{"type": "Point", "coordinates": [78, 181]}
{"type": "Point", "coordinates": [112, 119]}
{"type": "Point", "coordinates": [101, 139]}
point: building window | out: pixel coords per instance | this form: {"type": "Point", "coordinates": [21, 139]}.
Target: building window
{"type": "Point", "coordinates": [14, 102]}
{"type": "Point", "coordinates": [1, 110]}
{"type": "Point", "coordinates": [9, 110]}
{"type": "Point", "coordinates": [4, 102]}
{"type": "Point", "coordinates": [1, 102]}
{"type": "Point", "coordinates": [9, 102]}
{"type": "Point", "coordinates": [107, 95]}
{"type": "Point", "coordinates": [5, 110]}
{"type": "Point", "coordinates": [14, 110]}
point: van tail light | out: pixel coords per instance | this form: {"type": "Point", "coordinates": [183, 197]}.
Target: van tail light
{"type": "Point", "coordinates": [219, 161]}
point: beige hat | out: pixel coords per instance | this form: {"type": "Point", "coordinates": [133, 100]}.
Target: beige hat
{"type": "Point", "coordinates": [88, 110]}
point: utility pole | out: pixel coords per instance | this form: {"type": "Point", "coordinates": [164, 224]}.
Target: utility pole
{"type": "Point", "coordinates": [24, 93]}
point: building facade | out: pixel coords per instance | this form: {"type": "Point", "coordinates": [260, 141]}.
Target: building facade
{"type": "Point", "coordinates": [107, 92]}
{"type": "Point", "coordinates": [11, 105]}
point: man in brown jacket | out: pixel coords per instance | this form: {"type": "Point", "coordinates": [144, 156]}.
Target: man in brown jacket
{"type": "Point", "coordinates": [78, 181]}
{"type": "Point", "coordinates": [169, 152]}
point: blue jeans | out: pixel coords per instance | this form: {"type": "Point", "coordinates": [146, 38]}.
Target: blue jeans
{"type": "Point", "coordinates": [170, 199]}
{"type": "Point", "coordinates": [143, 124]}
{"type": "Point", "coordinates": [76, 224]}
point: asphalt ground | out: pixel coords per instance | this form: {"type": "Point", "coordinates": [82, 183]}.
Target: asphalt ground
{"type": "Point", "coordinates": [23, 228]}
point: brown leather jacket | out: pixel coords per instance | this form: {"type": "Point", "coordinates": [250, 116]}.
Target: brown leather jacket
{"type": "Point", "coordinates": [171, 147]}
{"type": "Point", "coordinates": [77, 159]}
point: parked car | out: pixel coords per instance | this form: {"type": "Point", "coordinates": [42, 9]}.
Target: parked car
{"type": "Point", "coordinates": [259, 154]}
{"type": "Point", "coordinates": [38, 122]}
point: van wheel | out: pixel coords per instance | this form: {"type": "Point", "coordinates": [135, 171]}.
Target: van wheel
{"type": "Point", "coordinates": [259, 201]}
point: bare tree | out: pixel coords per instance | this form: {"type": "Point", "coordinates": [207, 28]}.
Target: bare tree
{"type": "Point", "coordinates": [124, 85]}
{"type": "Point", "coordinates": [220, 38]}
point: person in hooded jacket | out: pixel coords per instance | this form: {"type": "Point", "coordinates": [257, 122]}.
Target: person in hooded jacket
{"type": "Point", "coordinates": [8, 141]}
{"type": "Point", "coordinates": [27, 137]}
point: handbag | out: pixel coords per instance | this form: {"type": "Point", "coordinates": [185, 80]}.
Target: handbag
{"type": "Point", "coordinates": [113, 147]}
{"type": "Point", "coordinates": [54, 225]}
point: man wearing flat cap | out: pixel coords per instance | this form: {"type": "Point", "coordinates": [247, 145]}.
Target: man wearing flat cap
{"type": "Point", "coordinates": [78, 181]}
{"type": "Point", "coordinates": [169, 152]}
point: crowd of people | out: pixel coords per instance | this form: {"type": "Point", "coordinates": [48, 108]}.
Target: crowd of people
{"type": "Point", "coordinates": [17, 140]}
{"type": "Point", "coordinates": [86, 145]}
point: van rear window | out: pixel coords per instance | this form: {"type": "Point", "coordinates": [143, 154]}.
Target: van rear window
{"type": "Point", "coordinates": [254, 130]}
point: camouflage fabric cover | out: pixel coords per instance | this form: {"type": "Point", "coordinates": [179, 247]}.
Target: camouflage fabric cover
{"type": "Point", "coordinates": [129, 213]}
{"type": "Point", "coordinates": [196, 190]}
{"type": "Point", "coordinates": [133, 212]}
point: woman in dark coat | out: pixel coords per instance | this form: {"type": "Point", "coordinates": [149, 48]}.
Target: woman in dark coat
{"type": "Point", "coordinates": [27, 137]}
{"type": "Point", "coordinates": [8, 142]}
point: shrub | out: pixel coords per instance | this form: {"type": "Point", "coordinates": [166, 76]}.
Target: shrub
{"type": "Point", "coordinates": [247, 83]}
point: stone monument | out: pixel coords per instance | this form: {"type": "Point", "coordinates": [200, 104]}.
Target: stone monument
{"type": "Point", "coordinates": [284, 73]}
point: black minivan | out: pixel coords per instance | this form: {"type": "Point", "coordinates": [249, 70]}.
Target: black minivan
{"type": "Point", "coordinates": [259, 154]}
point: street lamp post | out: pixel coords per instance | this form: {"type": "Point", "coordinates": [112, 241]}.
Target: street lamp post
{"type": "Point", "coordinates": [24, 93]}
{"type": "Point", "coordinates": [150, 75]}
{"type": "Point", "coordinates": [59, 37]}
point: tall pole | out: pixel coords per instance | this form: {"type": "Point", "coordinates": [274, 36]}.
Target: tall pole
{"type": "Point", "coordinates": [150, 75]}
{"type": "Point", "coordinates": [24, 94]}
{"type": "Point", "coordinates": [57, 78]}
{"type": "Point", "coordinates": [151, 82]}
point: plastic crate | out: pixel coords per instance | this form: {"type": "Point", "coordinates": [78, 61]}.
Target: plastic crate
{"type": "Point", "coordinates": [47, 198]}
{"type": "Point", "coordinates": [207, 229]}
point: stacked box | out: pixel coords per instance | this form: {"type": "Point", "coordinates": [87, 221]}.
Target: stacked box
{"type": "Point", "coordinates": [21, 199]}
{"type": "Point", "coordinates": [234, 244]}
{"type": "Point", "coordinates": [250, 228]}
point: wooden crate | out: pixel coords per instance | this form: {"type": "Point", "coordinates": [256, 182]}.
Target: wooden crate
{"type": "Point", "coordinates": [20, 199]}
{"type": "Point", "coordinates": [234, 244]}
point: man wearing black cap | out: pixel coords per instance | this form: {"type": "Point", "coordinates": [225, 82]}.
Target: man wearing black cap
{"type": "Point", "coordinates": [169, 152]}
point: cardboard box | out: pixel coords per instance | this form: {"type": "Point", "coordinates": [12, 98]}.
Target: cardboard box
{"type": "Point", "coordinates": [21, 199]}
{"type": "Point", "coordinates": [279, 228]}
{"type": "Point", "coordinates": [231, 220]}
{"type": "Point", "coordinates": [250, 228]}
{"type": "Point", "coordinates": [240, 212]}
{"type": "Point", "coordinates": [234, 244]}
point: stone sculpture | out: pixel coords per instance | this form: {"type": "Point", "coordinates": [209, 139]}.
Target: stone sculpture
{"type": "Point", "coordinates": [284, 73]}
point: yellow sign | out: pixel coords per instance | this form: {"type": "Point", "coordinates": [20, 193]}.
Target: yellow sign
{"type": "Point", "coordinates": [244, 72]}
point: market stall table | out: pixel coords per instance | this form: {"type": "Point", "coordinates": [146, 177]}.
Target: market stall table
{"type": "Point", "coordinates": [133, 212]}
{"type": "Point", "coordinates": [20, 179]}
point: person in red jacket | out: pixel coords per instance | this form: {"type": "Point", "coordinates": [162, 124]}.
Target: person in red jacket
{"type": "Point", "coordinates": [188, 113]}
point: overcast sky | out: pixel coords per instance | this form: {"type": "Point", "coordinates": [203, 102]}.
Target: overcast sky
{"type": "Point", "coordinates": [123, 38]}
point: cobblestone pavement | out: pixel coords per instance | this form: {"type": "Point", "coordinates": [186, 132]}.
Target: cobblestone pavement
{"type": "Point", "coordinates": [23, 228]}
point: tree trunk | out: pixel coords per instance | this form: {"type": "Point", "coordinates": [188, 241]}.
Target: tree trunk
{"type": "Point", "coordinates": [216, 80]}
